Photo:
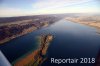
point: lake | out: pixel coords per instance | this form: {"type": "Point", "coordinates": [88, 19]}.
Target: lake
{"type": "Point", "coordinates": [71, 40]}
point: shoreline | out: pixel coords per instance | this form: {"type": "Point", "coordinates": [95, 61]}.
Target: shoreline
{"type": "Point", "coordinates": [91, 24]}
{"type": "Point", "coordinates": [11, 28]}
{"type": "Point", "coordinates": [26, 31]}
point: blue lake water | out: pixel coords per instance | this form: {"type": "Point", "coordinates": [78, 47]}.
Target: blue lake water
{"type": "Point", "coordinates": [71, 40]}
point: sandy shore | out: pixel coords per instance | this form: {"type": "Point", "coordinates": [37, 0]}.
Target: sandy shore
{"type": "Point", "coordinates": [89, 23]}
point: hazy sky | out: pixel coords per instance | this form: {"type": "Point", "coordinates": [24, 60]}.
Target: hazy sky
{"type": "Point", "coordinates": [34, 7]}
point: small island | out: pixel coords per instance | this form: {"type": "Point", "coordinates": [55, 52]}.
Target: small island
{"type": "Point", "coordinates": [37, 57]}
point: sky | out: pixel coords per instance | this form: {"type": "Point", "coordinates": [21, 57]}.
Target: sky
{"type": "Point", "coordinates": [9, 8]}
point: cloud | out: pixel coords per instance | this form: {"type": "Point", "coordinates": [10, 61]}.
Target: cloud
{"type": "Point", "coordinates": [62, 6]}
{"type": "Point", "coordinates": [6, 12]}
{"type": "Point", "coordinates": [51, 7]}
{"type": "Point", "coordinates": [42, 4]}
